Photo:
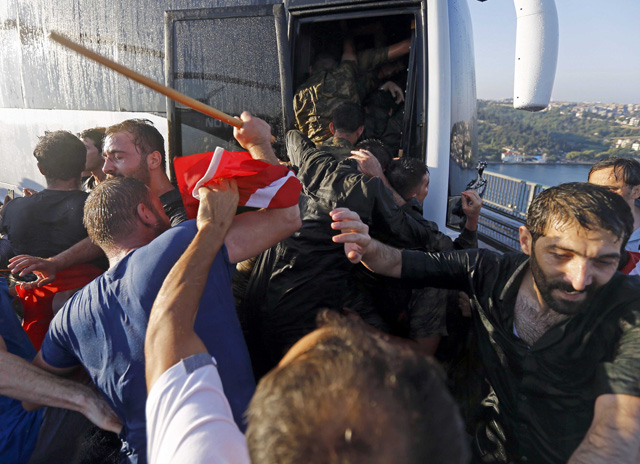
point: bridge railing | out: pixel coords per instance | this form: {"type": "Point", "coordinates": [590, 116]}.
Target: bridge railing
{"type": "Point", "coordinates": [504, 209]}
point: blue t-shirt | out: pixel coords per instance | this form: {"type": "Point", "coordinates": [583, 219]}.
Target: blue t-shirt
{"type": "Point", "coordinates": [18, 428]}
{"type": "Point", "coordinates": [103, 328]}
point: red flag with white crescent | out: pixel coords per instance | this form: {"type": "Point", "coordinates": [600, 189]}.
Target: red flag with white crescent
{"type": "Point", "coordinates": [260, 184]}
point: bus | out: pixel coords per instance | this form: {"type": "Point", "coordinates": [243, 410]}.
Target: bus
{"type": "Point", "coordinates": [237, 55]}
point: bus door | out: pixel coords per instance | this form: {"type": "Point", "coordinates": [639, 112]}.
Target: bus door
{"type": "Point", "coordinates": [233, 59]}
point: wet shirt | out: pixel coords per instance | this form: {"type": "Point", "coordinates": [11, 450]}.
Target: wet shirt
{"type": "Point", "coordinates": [45, 223]}
{"type": "Point", "coordinates": [542, 397]}
{"type": "Point", "coordinates": [316, 100]}
{"type": "Point", "coordinates": [103, 328]}
{"type": "Point", "coordinates": [173, 206]}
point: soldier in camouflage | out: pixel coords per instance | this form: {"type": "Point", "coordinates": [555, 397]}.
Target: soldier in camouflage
{"type": "Point", "coordinates": [330, 85]}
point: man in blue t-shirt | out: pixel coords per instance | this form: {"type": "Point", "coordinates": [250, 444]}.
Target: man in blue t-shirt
{"type": "Point", "coordinates": [51, 432]}
{"type": "Point", "coordinates": [102, 327]}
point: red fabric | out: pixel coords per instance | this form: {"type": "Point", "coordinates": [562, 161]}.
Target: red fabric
{"type": "Point", "coordinates": [634, 258]}
{"type": "Point", "coordinates": [37, 303]}
{"type": "Point", "coordinates": [260, 184]}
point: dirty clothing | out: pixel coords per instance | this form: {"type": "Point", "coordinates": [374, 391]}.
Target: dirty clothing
{"type": "Point", "coordinates": [318, 97]}
{"type": "Point", "coordinates": [542, 397]}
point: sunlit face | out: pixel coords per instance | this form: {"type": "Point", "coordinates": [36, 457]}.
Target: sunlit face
{"type": "Point", "coordinates": [122, 159]}
{"type": "Point", "coordinates": [570, 265]}
{"type": "Point", "coordinates": [423, 190]}
{"type": "Point", "coordinates": [94, 159]}
{"type": "Point", "coordinates": [607, 178]}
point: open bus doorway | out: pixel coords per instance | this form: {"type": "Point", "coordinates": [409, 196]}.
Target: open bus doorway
{"type": "Point", "coordinates": [397, 124]}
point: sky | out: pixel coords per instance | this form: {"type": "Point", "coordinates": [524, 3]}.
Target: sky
{"type": "Point", "coordinates": [599, 50]}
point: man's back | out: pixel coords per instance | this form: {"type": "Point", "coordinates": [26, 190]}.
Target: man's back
{"type": "Point", "coordinates": [104, 327]}
{"type": "Point", "coordinates": [46, 223]}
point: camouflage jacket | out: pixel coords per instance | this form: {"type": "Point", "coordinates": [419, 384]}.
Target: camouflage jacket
{"type": "Point", "coordinates": [325, 90]}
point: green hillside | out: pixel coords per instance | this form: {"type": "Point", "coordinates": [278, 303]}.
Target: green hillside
{"type": "Point", "coordinates": [564, 131]}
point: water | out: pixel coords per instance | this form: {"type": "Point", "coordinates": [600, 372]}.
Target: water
{"type": "Point", "coordinates": [544, 174]}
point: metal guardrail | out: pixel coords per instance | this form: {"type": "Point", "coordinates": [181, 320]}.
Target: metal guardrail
{"type": "Point", "coordinates": [504, 209]}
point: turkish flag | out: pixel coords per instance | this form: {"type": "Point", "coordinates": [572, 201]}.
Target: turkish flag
{"type": "Point", "coordinates": [260, 184]}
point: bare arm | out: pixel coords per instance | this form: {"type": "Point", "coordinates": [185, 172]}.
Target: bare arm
{"type": "Point", "coordinates": [47, 268]}
{"type": "Point", "coordinates": [360, 247]}
{"type": "Point", "coordinates": [170, 336]}
{"type": "Point", "coordinates": [398, 49]}
{"type": "Point", "coordinates": [614, 435]}
{"type": "Point", "coordinates": [252, 233]}
{"type": "Point", "coordinates": [25, 382]}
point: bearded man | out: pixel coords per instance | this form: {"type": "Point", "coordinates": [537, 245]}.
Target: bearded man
{"type": "Point", "coordinates": [558, 327]}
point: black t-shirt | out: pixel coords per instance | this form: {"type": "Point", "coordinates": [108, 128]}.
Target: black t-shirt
{"type": "Point", "coordinates": [46, 223]}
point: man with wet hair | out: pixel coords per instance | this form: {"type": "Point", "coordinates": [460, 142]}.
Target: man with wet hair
{"type": "Point", "coordinates": [622, 176]}
{"type": "Point", "coordinates": [102, 328]}
{"type": "Point", "coordinates": [93, 139]}
{"type": "Point", "coordinates": [135, 148]}
{"type": "Point", "coordinates": [347, 393]}
{"type": "Point", "coordinates": [558, 328]}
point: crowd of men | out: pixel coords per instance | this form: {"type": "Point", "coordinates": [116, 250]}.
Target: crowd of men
{"type": "Point", "coordinates": [134, 323]}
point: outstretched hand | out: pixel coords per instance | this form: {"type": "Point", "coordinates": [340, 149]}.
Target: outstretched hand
{"type": "Point", "coordinates": [354, 233]}
{"type": "Point", "coordinates": [395, 90]}
{"type": "Point", "coordinates": [44, 269]}
{"type": "Point", "coordinates": [218, 204]}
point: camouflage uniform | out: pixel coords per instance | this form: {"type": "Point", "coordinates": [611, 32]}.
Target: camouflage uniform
{"type": "Point", "coordinates": [325, 90]}
{"type": "Point", "coordinates": [338, 147]}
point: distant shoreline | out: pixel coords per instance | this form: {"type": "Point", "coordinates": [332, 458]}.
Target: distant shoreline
{"type": "Point", "coordinates": [520, 163]}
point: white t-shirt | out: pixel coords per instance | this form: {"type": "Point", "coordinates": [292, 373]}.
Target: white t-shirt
{"type": "Point", "coordinates": [189, 419]}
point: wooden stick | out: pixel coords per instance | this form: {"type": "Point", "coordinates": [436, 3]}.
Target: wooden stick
{"type": "Point", "coordinates": [163, 89]}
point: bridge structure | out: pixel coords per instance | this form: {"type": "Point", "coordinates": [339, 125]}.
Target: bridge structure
{"type": "Point", "coordinates": [504, 209]}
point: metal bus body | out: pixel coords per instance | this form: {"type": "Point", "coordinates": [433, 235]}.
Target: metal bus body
{"type": "Point", "coordinates": [246, 55]}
